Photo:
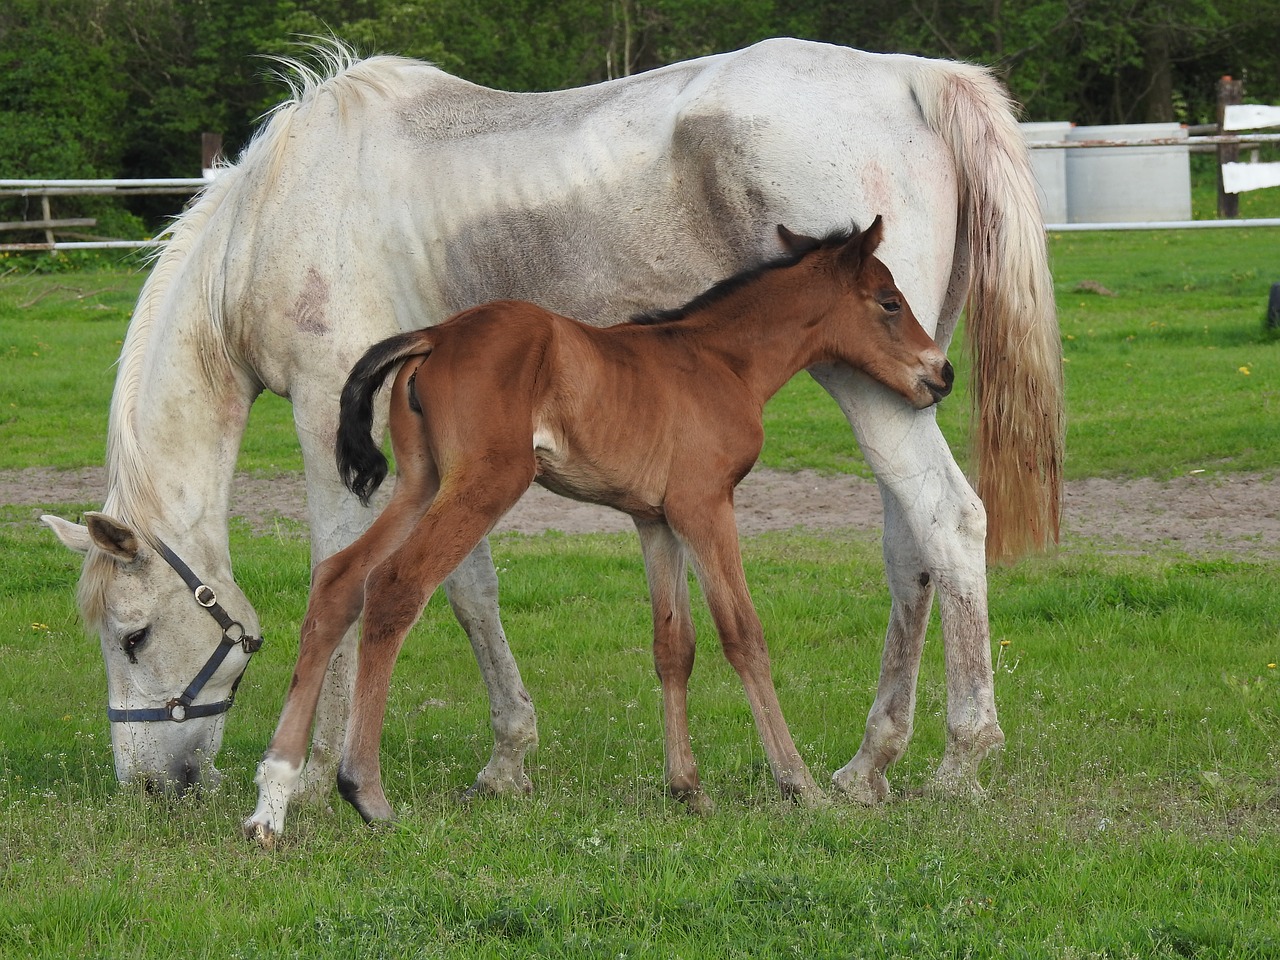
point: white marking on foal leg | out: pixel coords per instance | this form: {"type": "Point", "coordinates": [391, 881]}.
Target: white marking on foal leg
{"type": "Point", "coordinates": [277, 782]}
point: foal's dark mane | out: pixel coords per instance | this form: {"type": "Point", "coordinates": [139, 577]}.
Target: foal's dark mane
{"type": "Point", "coordinates": [740, 279]}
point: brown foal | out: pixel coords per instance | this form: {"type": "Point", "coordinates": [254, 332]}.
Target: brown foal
{"type": "Point", "coordinates": [659, 418]}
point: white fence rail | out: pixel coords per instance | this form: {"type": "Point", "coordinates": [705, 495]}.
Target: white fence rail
{"type": "Point", "coordinates": [52, 226]}
{"type": "Point", "coordinates": [1237, 177]}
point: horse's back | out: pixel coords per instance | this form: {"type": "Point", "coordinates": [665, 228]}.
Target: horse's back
{"type": "Point", "coordinates": [395, 195]}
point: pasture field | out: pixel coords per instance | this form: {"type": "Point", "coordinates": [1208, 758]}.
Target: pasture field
{"type": "Point", "coordinates": [1134, 813]}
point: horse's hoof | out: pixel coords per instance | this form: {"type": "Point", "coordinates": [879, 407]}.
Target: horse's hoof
{"type": "Point", "coordinates": [870, 791]}
{"type": "Point", "coordinates": [802, 789]}
{"type": "Point", "coordinates": [947, 787]}
{"type": "Point", "coordinates": [260, 833]}
{"type": "Point", "coordinates": [520, 786]}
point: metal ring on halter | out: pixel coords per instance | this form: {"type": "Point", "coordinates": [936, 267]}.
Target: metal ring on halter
{"type": "Point", "coordinates": [181, 708]}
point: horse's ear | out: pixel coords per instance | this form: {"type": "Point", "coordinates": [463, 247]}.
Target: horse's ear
{"type": "Point", "coordinates": [74, 536]}
{"type": "Point", "coordinates": [112, 536]}
{"type": "Point", "coordinates": [796, 242]}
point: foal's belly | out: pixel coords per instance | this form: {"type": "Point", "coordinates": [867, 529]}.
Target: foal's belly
{"type": "Point", "coordinates": [579, 478]}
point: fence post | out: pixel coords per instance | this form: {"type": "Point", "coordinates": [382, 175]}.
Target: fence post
{"type": "Point", "coordinates": [1229, 92]}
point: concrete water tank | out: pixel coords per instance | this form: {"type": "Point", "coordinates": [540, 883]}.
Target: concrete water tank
{"type": "Point", "coordinates": [1128, 184]}
{"type": "Point", "coordinates": [1050, 168]}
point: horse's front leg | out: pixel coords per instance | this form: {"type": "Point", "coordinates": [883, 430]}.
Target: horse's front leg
{"type": "Point", "coordinates": [935, 531]}
{"type": "Point", "coordinates": [673, 654]}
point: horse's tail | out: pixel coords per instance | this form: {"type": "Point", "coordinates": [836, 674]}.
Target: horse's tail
{"type": "Point", "coordinates": [1012, 325]}
{"type": "Point", "coordinates": [361, 462]}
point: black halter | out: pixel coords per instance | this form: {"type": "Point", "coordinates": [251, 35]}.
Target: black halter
{"type": "Point", "coordinates": [180, 708]}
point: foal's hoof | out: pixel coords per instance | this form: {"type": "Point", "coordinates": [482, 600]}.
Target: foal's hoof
{"type": "Point", "coordinates": [697, 802]}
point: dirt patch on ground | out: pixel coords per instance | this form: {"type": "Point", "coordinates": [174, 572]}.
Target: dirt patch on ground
{"type": "Point", "coordinates": [1197, 514]}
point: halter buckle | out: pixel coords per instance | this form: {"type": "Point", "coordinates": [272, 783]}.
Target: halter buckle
{"type": "Point", "coordinates": [205, 596]}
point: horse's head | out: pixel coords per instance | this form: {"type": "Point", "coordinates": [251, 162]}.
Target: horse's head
{"type": "Point", "coordinates": [175, 645]}
{"type": "Point", "coordinates": [873, 327]}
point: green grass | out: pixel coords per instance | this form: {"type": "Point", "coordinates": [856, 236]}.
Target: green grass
{"type": "Point", "coordinates": [1135, 812]}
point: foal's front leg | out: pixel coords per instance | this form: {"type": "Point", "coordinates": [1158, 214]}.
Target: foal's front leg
{"type": "Point", "coordinates": [673, 653]}
{"type": "Point", "coordinates": [712, 537]}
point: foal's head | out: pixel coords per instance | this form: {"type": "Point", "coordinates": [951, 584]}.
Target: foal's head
{"type": "Point", "coordinates": [872, 326]}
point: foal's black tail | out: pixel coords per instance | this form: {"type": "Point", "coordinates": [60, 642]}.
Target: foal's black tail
{"type": "Point", "coordinates": [361, 462]}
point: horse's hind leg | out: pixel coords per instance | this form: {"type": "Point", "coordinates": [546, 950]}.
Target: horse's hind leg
{"type": "Point", "coordinates": [673, 653]}
{"type": "Point", "coordinates": [473, 593]}
{"type": "Point", "coordinates": [467, 506]}
{"type": "Point", "coordinates": [712, 538]}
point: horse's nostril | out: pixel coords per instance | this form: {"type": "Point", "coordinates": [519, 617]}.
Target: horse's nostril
{"type": "Point", "coordinates": [948, 373]}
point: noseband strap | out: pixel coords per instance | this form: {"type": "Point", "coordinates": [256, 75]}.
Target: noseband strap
{"type": "Point", "coordinates": [181, 708]}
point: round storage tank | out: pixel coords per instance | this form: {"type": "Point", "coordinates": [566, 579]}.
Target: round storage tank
{"type": "Point", "coordinates": [1128, 184]}
{"type": "Point", "coordinates": [1050, 167]}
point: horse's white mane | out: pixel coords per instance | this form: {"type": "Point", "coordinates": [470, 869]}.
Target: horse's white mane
{"type": "Point", "coordinates": [329, 67]}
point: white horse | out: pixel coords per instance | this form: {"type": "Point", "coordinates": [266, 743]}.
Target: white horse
{"type": "Point", "coordinates": [387, 194]}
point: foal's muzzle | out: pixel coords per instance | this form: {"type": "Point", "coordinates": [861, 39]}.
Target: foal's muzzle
{"type": "Point", "coordinates": [941, 387]}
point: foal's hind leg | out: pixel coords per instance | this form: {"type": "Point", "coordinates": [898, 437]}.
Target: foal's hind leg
{"type": "Point", "coordinates": [337, 595]}
{"type": "Point", "coordinates": [467, 506]}
{"type": "Point", "coordinates": [712, 537]}
{"type": "Point", "coordinates": [673, 652]}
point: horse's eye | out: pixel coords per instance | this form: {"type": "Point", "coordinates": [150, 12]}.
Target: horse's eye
{"type": "Point", "coordinates": [132, 642]}
{"type": "Point", "coordinates": [891, 305]}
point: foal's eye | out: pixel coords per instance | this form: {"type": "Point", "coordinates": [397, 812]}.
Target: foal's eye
{"type": "Point", "coordinates": [891, 305]}
{"type": "Point", "coordinates": [132, 642]}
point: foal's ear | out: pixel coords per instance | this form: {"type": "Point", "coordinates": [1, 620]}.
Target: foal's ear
{"type": "Point", "coordinates": [796, 242]}
{"type": "Point", "coordinates": [872, 236]}
{"type": "Point", "coordinates": [862, 246]}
